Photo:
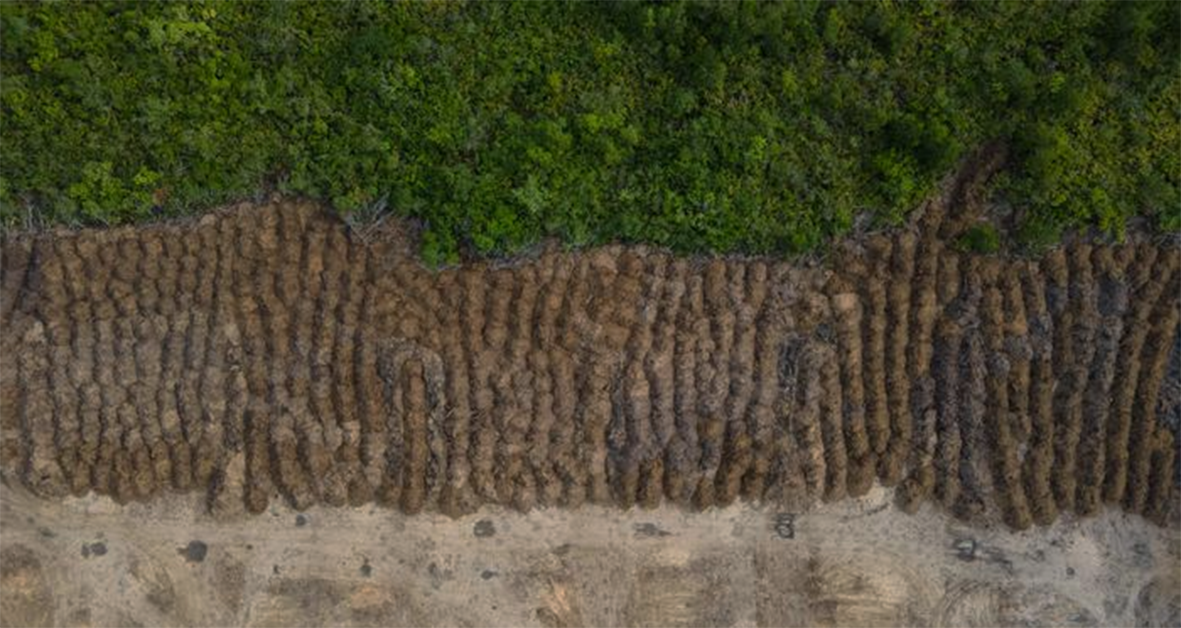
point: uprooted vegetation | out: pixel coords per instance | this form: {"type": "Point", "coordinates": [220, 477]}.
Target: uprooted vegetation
{"type": "Point", "coordinates": [268, 351]}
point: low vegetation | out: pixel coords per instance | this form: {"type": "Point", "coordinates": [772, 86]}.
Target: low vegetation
{"type": "Point", "coordinates": [763, 128]}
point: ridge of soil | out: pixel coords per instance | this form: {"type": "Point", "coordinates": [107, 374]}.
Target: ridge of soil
{"type": "Point", "coordinates": [267, 350]}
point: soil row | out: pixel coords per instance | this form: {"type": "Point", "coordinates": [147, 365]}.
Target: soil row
{"type": "Point", "coordinates": [269, 351]}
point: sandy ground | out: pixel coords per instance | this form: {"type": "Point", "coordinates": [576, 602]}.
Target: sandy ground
{"type": "Point", "coordinates": [860, 562]}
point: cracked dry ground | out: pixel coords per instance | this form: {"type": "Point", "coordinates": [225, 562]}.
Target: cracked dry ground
{"type": "Point", "coordinates": [267, 351]}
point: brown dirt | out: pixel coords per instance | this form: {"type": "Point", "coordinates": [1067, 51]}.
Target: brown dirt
{"type": "Point", "coordinates": [267, 351]}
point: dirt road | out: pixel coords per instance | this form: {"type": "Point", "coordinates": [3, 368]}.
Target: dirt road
{"type": "Point", "coordinates": [856, 562]}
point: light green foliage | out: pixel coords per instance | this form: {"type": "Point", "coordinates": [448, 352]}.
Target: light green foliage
{"type": "Point", "coordinates": [737, 126]}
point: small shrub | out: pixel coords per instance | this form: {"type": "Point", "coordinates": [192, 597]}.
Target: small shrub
{"type": "Point", "coordinates": [980, 239]}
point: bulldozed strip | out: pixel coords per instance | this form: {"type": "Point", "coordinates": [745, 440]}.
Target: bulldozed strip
{"type": "Point", "coordinates": [268, 352]}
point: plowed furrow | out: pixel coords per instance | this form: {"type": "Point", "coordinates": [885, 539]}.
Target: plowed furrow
{"type": "Point", "coordinates": [272, 352]}
{"type": "Point", "coordinates": [1010, 491]}
{"type": "Point", "coordinates": [1147, 435]}
{"type": "Point", "coordinates": [874, 353]}
{"type": "Point", "coordinates": [760, 413]}
{"type": "Point", "coordinates": [545, 310]}
{"type": "Point", "coordinates": [1112, 303]}
{"type": "Point", "coordinates": [681, 464]}
{"type": "Point", "coordinates": [1148, 277]}
{"type": "Point", "coordinates": [736, 452]}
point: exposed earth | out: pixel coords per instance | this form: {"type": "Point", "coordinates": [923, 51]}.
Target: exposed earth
{"type": "Point", "coordinates": [267, 350]}
{"type": "Point", "coordinates": [857, 562]}
{"type": "Point", "coordinates": [231, 420]}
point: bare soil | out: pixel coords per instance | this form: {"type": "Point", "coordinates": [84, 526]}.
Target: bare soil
{"type": "Point", "coordinates": [268, 352]}
{"type": "Point", "coordinates": [86, 561]}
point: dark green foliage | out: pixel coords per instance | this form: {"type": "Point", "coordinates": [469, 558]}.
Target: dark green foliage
{"type": "Point", "coordinates": [980, 239]}
{"type": "Point", "coordinates": [733, 126]}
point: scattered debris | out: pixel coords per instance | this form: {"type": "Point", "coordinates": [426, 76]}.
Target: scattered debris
{"type": "Point", "coordinates": [484, 528]}
{"type": "Point", "coordinates": [195, 551]}
{"type": "Point", "coordinates": [650, 530]}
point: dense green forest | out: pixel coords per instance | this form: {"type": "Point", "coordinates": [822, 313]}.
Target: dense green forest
{"type": "Point", "coordinates": [737, 126]}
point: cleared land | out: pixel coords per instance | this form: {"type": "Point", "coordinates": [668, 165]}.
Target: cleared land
{"type": "Point", "coordinates": [267, 351]}
{"type": "Point", "coordinates": [856, 562]}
